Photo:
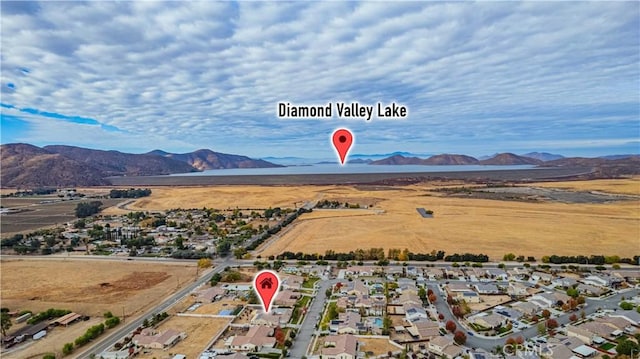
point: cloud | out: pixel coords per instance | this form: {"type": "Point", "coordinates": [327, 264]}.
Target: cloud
{"type": "Point", "coordinates": [208, 74]}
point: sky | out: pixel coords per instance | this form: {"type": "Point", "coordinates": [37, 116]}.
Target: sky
{"type": "Point", "coordinates": [477, 78]}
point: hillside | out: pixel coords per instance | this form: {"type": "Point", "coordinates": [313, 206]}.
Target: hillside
{"type": "Point", "coordinates": [205, 159]}
{"type": "Point", "coordinates": [510, 159]}
{"type": "Point", "coordinates": [448, 159]}
{"type": "Point", "coordinates": [24, 165]}
{"type": "Point", "coordinates": [115, 163]}
{"type": "Point", "coordinates": [29, 166]}
{"type": "Point", "coordinates": [398, 160]}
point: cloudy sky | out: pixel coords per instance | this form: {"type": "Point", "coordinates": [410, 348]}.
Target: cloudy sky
{"type": "Point", "coordinates": [477, 78]}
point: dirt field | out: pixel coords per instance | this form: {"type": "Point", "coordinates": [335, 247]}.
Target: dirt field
{"type": "Point", "coordinates": [378, 346]}
{"type": "Point", "coordinates": [625, 186]}
{"type": "Point", "coordinates": [199, 331]}
{"type": "Point", "coordinates": [38, 215]}
{"type": "Point", "coordinates": [89, 287]}
{"type": "Point", "coordinates": [489, 301]}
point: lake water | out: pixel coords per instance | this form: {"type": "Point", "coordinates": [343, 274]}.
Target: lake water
{"type": "Point", "coordinates": [347, 169]}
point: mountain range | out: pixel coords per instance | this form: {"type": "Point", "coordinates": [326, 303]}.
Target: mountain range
{"type": "Point", "coordinates": [25, 165]}
{"type": "Point", "coordinates": [501, 159]}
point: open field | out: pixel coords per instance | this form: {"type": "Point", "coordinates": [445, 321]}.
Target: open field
{"type": "Point", "coordinates": [163, 198]}
{"type": "Point", "coordinates": [36, 215]}
{"type": "Point", "coordinates": [89, 287]}
{"type": "Point", "coordinates": [459, 225]}
{"type": "Point", "coordinates": [469, 225]}
{"type": "Point", "coordinates": [199, 331]}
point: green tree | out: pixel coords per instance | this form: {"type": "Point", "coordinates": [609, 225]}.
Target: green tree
{"type": "Point", "coordinates": [49, 356]}
{"type": "Point", "coordinates": [573, 292]}
{"type": "Point", "coordinates": [626, 305]}
{"type": "Point", "coordinates": [67, 349]}
{"type": "Point", "coordinates": [627, 347]}
{"type": "Point", "coordinates": [542, 329]}
{"type": "Point", "coordinates": [509, 257]}
{"type": "Point", "coordinates": [5, 322]}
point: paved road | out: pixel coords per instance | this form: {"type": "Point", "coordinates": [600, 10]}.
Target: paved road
{"type": "Point", "coordinates": [490, 343]}
{"type": "Point", "coordinates": [130, 326]}
{"type": "Point", "coordinates": [307, 328]}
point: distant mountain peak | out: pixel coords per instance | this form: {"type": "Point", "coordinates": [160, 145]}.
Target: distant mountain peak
{"type": "Point", "coordinates": [543, 156]}
{"type": "Point", "coordinates": [510, 159]}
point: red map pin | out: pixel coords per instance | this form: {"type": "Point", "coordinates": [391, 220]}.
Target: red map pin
{"type": "Point", "coordinates": [342, 140]}
{"type": "Point", "coordinates": [267, 285]}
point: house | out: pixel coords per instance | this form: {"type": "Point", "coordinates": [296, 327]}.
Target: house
{"type": "Point", "coordinates": [409, 297]}
{"type": "Point", "coordinates": [423, 329]}
{"type": "Point", "coordinates": [257, 337]}
{"type": "Point", "coordinates": [347, 323]}
{"type": "Point", "coordinates": [277, 317]}
{"type": "Point", "coordinates": [564, 282]}
{"type": "Point", "coordinates": [438, 344]}
{"type": "Point", "coordinates": [603, 280]}
{"type": "Point", "coordinates": [210, 295]}
{"type": "Point", "coordinates": [497, 274]}
{"type": "Point", "coordinates": [287, 298]}
{"type": "Point", "coordinates": [517, 289]}
{"type": "Point", "coordinates": [414, 312]}
{"type": "Point", "coordinates": [453, 288]}
{"type": "Point", "coordinates": [508, 312]}
{"type": "Point", "coordinates": [468, 296]}
{"type": "Point", "coordinates": [542, 277]}
{"type": "Point", "coordinates": [452, 351]}
{"type": "Point", "coordinates": [150, 338]}
{"type": "Point", "coordinates": [339, 347]}
{"type": "Point", "coordinates": [526, 308]}
{"type": "Point", "coordinates": [490, 321]}
{"type": "Point", "coordinates": [599, 329]}
{"type": "Point", "coordinates": [292, 281]}
{"type": "Point", "coordinates": [489, 288]}
{"type": "Point", "coordinates": [584, 351]}
{"type": "Point", "coordinates": [589, 289]}
{"type": "Point", "coordinates": [549, 299]}
{"type": "Point", "coordinates": [578, 332]}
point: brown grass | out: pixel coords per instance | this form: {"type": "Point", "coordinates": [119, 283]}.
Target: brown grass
{"type": "Point", "coordinates": [460, 225]}
{"type": "Point", "coordinates": [378, 346]}
{"type": "Point", "coordinates": [470, 225]}
{"type": "Point", "coordinates": [88, 286]}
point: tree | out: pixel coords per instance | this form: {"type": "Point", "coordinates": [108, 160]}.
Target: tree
{"type": "Point", "coordinates": [451, 326]}
{"type": "Point", "coordinates": [432, 298]}
{"type": "Point", "coordinates": [546, 314]}
{"type": "Point", "coordinates": [49, 356]}
{"type": "Point", "coordinates": [440, 316]}
{"type": "Point", "coordinates": [459, 337]}
{"type": "Point", "coordinates": [204, 263]}
{"type": "Point", "coordinates": [573, 292]}
{"type": "Point", "coordinates": [542, 329]}
{"type": "Point", "coordinates": [626, 305]}
{"type": "Point", "coordinates": [573, 317]}
{"type": "Point", "coordinates": [552, 323]}
{"type": "Point", "coordinates": [509, 257]}
{"type": "Point", "coordinates": [279, 335]}
{"type": "Point", "coordinates": [5, 322]}
{"type": "Point", "coordinates": [422, 293]}
{"type": "Point", "coordinates": [67, 349]}
{"type": "Point", "coordinates": [627, 347]}
{"type": "Point", "coordinates": [86, 209]}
